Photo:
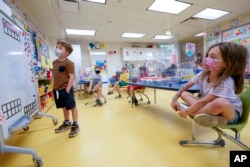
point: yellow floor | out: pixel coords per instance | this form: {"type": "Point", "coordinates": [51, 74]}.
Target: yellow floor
{"type": "Point", "coordinates": [116, 135]}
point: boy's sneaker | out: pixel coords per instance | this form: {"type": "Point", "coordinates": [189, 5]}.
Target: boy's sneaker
{"type": "Point", "coordinates": [110, 93]}
{"type": "Point", "coordinates": [63, 127]}
{"type": "Point", "coordinates": [134, 101]}
{"type": "Point", "coordinates": [207, 120]}
{"type": "Point", "coordinates": [74, 131]}
{"type": "Point", "coordinates": [98, 101]}
{"type": "Point", "coordinates": [118, 97]}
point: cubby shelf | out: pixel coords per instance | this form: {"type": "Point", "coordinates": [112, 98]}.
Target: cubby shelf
{"type": "Point", "coordinates": [45, 94]}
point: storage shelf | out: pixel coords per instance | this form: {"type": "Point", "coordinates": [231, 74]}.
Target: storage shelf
{"type": "Point", "coordinates": [45, 93]}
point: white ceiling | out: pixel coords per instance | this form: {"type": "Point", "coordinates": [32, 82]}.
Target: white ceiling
{"type": "Point", "coordinates": [115, 17]}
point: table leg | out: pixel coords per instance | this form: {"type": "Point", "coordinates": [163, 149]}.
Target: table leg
{"type": "Point", "coordinates": [131, 90]}
{"type": "Point", "coordinates": [155, 95]}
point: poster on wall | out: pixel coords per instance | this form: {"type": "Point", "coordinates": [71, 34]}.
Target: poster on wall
{"type": "Point", "coordinates": [240, 35]}
{"type": "Point", "coordinates": [43, 52]}
{"type": "Point", "coordinates": [190, 49]}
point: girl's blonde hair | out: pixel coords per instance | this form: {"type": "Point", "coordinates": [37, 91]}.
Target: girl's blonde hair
{"type": "Point", "coordinates": [235, 56]}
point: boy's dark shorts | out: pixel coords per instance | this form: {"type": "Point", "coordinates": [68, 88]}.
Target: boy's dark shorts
{"type": "Point", "coordinates": [64, 99]}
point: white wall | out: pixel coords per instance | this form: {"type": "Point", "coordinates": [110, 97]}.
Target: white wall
{"type": "Point", "coordinates": [114, 61]}
{"type": "Point", "coordinates": [77, 59]}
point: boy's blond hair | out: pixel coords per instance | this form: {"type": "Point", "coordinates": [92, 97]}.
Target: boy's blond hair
{"type": "Point", "coordinates": [66, 45]}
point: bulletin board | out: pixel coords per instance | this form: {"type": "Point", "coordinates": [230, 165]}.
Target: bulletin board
{"type": "Point", "coordinates": [43, 53]}
{"type": "Point", "coordinates": [18, 88]}
{"type": "Point", "coordinates": [240, 35]}
{"type": "Point", "coordinates": [140, 54]}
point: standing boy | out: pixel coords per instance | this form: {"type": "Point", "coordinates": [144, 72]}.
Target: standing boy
{"type": "Point", "coordinates": [63, 75]}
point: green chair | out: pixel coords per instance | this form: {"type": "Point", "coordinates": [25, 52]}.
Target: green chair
{"type": "Point", "coordinates": [236, 128]}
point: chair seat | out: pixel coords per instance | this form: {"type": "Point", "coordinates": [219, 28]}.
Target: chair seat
{"type": "Point", "coordinates": [238, 126]}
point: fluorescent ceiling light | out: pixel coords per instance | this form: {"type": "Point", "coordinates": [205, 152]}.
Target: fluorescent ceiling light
{"type": "Point", "coordinates": [168, 6]}
{"type": "Point", "coordinates": [132, 35]}
{"type": "Point", "coordinates": [199, 35]}
{"type": "Point", "coordinates": [211, 14]}
{"type": "Point", "coordinates": [98, 53]}
{"type": "Point", "coordinates": [163, 37]}
{"type": "Point", "coordinates": [80, 32]}
{"type": "Point", "coordinates": [97, 1]}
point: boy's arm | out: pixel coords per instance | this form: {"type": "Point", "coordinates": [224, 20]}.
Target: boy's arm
{"type": "Point", "coordinates": [90, 83]}
{"type": "Point", "coordinates": [70, 83]}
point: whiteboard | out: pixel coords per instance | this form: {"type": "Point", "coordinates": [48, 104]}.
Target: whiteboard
{"type": "Point", "coordinates": [18, 88]}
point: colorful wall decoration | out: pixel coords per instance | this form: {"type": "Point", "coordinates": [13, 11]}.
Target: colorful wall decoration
{"type": "Point", "coordinates": [240, 35]}
{"type": "Point", "coordinates": [43, 52]}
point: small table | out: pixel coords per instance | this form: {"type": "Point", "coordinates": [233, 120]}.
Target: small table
{"type": "Point", "coordinates": [172, 87]}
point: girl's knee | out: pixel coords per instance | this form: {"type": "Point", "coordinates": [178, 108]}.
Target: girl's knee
{"type": "Point", "coordinates": [221, 103]}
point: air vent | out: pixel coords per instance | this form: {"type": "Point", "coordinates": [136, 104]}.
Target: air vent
{"type": "Point", "coordinates": [194, 22]}
{"type": "Point", "coordinates": [69, 5]}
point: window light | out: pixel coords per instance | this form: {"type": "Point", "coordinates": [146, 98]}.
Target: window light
{"type": "Point", "coordinates": [211, 14]}
{"type": "Point", "coordinates": [162, 37]}
{"type": "Point", "coordinates": [132, 35]}
{"type": "Point", "coordinates": [168, 6]}
{"type": "Point", "coordinates": [97, 1]}
{"type": "Point", "coordinates": [80, 32]}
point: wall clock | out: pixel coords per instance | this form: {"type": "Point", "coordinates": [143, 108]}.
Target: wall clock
{"type": "Point", "coordinates": [97, 45]}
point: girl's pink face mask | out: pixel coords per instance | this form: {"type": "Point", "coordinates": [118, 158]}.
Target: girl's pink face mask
{"type": "Point", "coordinates": [210, 64]}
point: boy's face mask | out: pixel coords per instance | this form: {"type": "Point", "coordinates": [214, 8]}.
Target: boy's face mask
{"type": "Point", "coordinates": [97, 71]}
{"type": "Point", "coordinates": [58, 52]}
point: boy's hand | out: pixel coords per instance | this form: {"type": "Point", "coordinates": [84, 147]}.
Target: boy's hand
{"type": "Point", "coordinates": [67, 90]}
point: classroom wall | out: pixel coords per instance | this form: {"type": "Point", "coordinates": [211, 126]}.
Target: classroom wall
{"type": "Point", "coordinates": [115, 61]}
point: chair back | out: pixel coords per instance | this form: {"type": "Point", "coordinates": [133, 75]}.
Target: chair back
{"type": "Point", "coordinates": [245, 98]}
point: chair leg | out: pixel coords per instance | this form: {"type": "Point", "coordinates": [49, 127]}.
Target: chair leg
{"type": "Point", "coordinates": [143, 94]}
{"type": "Point", "coordinates": [102, 99]}
{"type": "Point", "coordinates": [218, 142]}
{"type": "Point", "coordinates": [235, 139]}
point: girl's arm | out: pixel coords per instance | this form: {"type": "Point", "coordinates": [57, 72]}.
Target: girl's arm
{"type": "Point", "coordinates": [182, 89]}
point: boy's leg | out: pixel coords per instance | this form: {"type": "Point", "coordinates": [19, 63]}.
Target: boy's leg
{"type": "Point", "coordinates": [66, 125]}
{"type": "Point", "coordinates": [75, 126]}
{"type": "Point", "coordinates": [98, 96]}
{"type": "Point", "coordinates": [59, 100]}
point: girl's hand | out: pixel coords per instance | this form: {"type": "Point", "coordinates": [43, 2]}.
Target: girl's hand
{"type": "Point", "coordinates": [183, 113]}
{"type": "Point", "coordinates": [174, 105]}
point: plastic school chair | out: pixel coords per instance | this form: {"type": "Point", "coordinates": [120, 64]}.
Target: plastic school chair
{"type": "Point", "coordinates": [102, 99]}
{"type": "Point", "coordinates": [236, 127]}
{"type": "Point", "coordinates": [141, 93]}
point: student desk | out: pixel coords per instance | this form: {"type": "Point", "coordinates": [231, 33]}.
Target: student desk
{"type": "Point", "coordinates": [169, 86]}
{"type": "Point", "coordinates": [82, 90]}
